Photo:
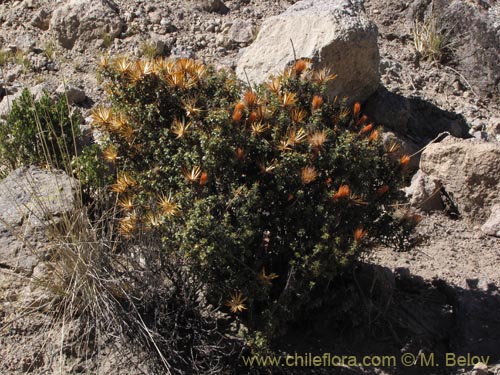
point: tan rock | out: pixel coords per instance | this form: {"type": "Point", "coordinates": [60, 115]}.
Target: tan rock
{"type": "Point", "coordinates": [334, 33]}
{"type": "Point", "coordinates": [469, 169]}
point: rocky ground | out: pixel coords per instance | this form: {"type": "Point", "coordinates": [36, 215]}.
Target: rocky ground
{"type": "Point", "coordinates": [455, 263]}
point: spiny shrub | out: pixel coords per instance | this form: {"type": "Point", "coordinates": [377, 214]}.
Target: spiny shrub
{"type": "Point", "coordinates": [270, 192]}
{"type": "Point", "coordinates": [39, 132]}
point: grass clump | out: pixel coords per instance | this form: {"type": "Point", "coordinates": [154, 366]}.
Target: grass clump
{"type": "Point", "coordinates": [431, 42]}
{"type": "Point", "coordinates": [40, 132]}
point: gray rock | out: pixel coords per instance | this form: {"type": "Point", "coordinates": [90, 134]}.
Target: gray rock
{"type": "Point", "coordinates": [492, 226]}
{"type": "Point", "coordinates": [424, 192]}
{"type": "Point", "coordinates": [413, 118]}
{"type": "Point", "coordinates": [469, 170]}
{"type": "Point", "coordinates": [6, 104]}
{"type": "Point", "coordinates": [79, 22]}
{"type": "Point", "coordinates": [74, 94]}
{"type": "Point", "coordinates": [25, 42]}
{"type": "Point", "coordinates": [240, 31]}
{"type": "Point", "coordinates": [41, 19]}
{"type": "Point", "coordinates": [493, 128]}
{"type": "Point", "coordinates": [480, 369]}
{"type": "Point", "coordinates": [215, 6]}
{"type": "Point", "coordinates": [31, 199]}
{"type": "Point", "coordinates": [335, 34]}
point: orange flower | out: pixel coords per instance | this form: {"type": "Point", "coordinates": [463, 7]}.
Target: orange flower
{"type": "Point", "coordinates": [366, 128]}
{"type": "Point", "coordinates": [317, 102]}
{"type": "Point", "coordinates": [240, 153]}
{"type": "Point", "coordinates": [373, 136]}
{"type": "Point", "coordinates": [252, 117]}
{"type": "Point", "coordinates": [308, 175]}
{"type": "Point", "coordinates": [382, 190]}
{"type": "Point", "coordinates": [323, 76]}
{"type": "Point", "coordinates": [203, 178]}
{"type": "Point", "coordinates": [300, 66]}
{"type": "Point", "coordinates": [357, 108]}
{"type": "Point", "coordinates": [237, 115]}
{"type": "Point", "coordinates": [343, 192]}
{"type": "Point", "coordinates": [362, 120]}
{"type": "Point", "coordinates": [239, 107]}
{"type": "Point", "coordinates": [250, 98]}
{"type": "Point", "coordinates": [404, 160]}
{"type": "Point", "coordinates": [360, 234]}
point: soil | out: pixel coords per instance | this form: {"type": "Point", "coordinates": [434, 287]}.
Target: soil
{"type": "Point", "coordinates": [440, 297]}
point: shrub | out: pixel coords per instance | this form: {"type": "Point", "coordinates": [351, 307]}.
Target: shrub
{"type": "Point", "coordinates": [268, 192]}
{"type": "Point", "coordinates": [39, 132]}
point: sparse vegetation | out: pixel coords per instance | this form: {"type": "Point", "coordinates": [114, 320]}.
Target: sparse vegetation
{"type": "Point", "coordinates": [430, 41]}
{"type": "Point", "coordinates": [149, 50]}
{"type": "Point", "coordinates": [39, 132]}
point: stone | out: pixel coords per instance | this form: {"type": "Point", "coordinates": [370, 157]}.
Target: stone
{"type": "Point", "coordinates": [240, 31]}
{"type": "Point", "coordinates": [469, 170]}
{"type": "Point", "coordinates": [25, 42]}
{"type": "Point", "coordinates": [80, 22]}
{"type": "Point", "coordinates": [214, 6]}
{"type": "Point", "coordinates": [413, 118]}
{"type": "Point", "coordinates": [493, 128]}
{"type": "Point", "coordinates": [41, 19]}
{"type": "Point", "coordinates": [480, 369]}
{"type": "Point", "coordinates": [74, 94]}
{"type": "Point", "coordinates": [424, 192]}
{"type": "Point", "coordinates": [492, 226]}
{"type": "Point", "coordinates": [31, 199]}
{"type": "Point", "coordinates": [6, 104]}
{"type": "Point", "coordinates": [334, 34]}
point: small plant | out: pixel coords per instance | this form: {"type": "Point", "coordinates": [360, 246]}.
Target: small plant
{"type": "Point", "coordinates": [430, 41]}
{"type": "Point", "coordinates": [149, 50]}
{"type": "Point", "coordinates": [49, 49]}
{"type": "Point", "coordinates": [107, 39]}
{"type": "Point", "coordinates": [21, 59]}
{"type": "Point", "coordinates": [5, 56]}
{"type": "Point", "coordinates": [39, 132]}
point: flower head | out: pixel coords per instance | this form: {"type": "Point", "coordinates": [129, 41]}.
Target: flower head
{"type": "Point", "coordinates": [360, 234]}
{"type": "Point", "coordinates": [308, 175]}
{"type": "Point", "coordinates": [192, 175]}
{"type": "Point", "coordinates": [167, 205]}
{"type": "Point", "coordinates": [265, 278]}
{"type": "Point", "coordinates": [316, 103]}
{"type": "Point", "coordinates": [343, 192]}
{"type": "Point", "coordinates": [236, 303]}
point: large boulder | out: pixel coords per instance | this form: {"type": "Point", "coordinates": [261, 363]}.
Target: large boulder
{"type": "Point", "coordinates": [469, 171]}
{"type": "Point", "coordinates": [80, 22]}
{"type": "Point", "coordinates": [333, 33]}
{"type": "Point", "coordinates": [30, 199]}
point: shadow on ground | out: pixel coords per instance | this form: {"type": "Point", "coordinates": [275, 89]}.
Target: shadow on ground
{"type": "Point", "coordinates": [394, 313]}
